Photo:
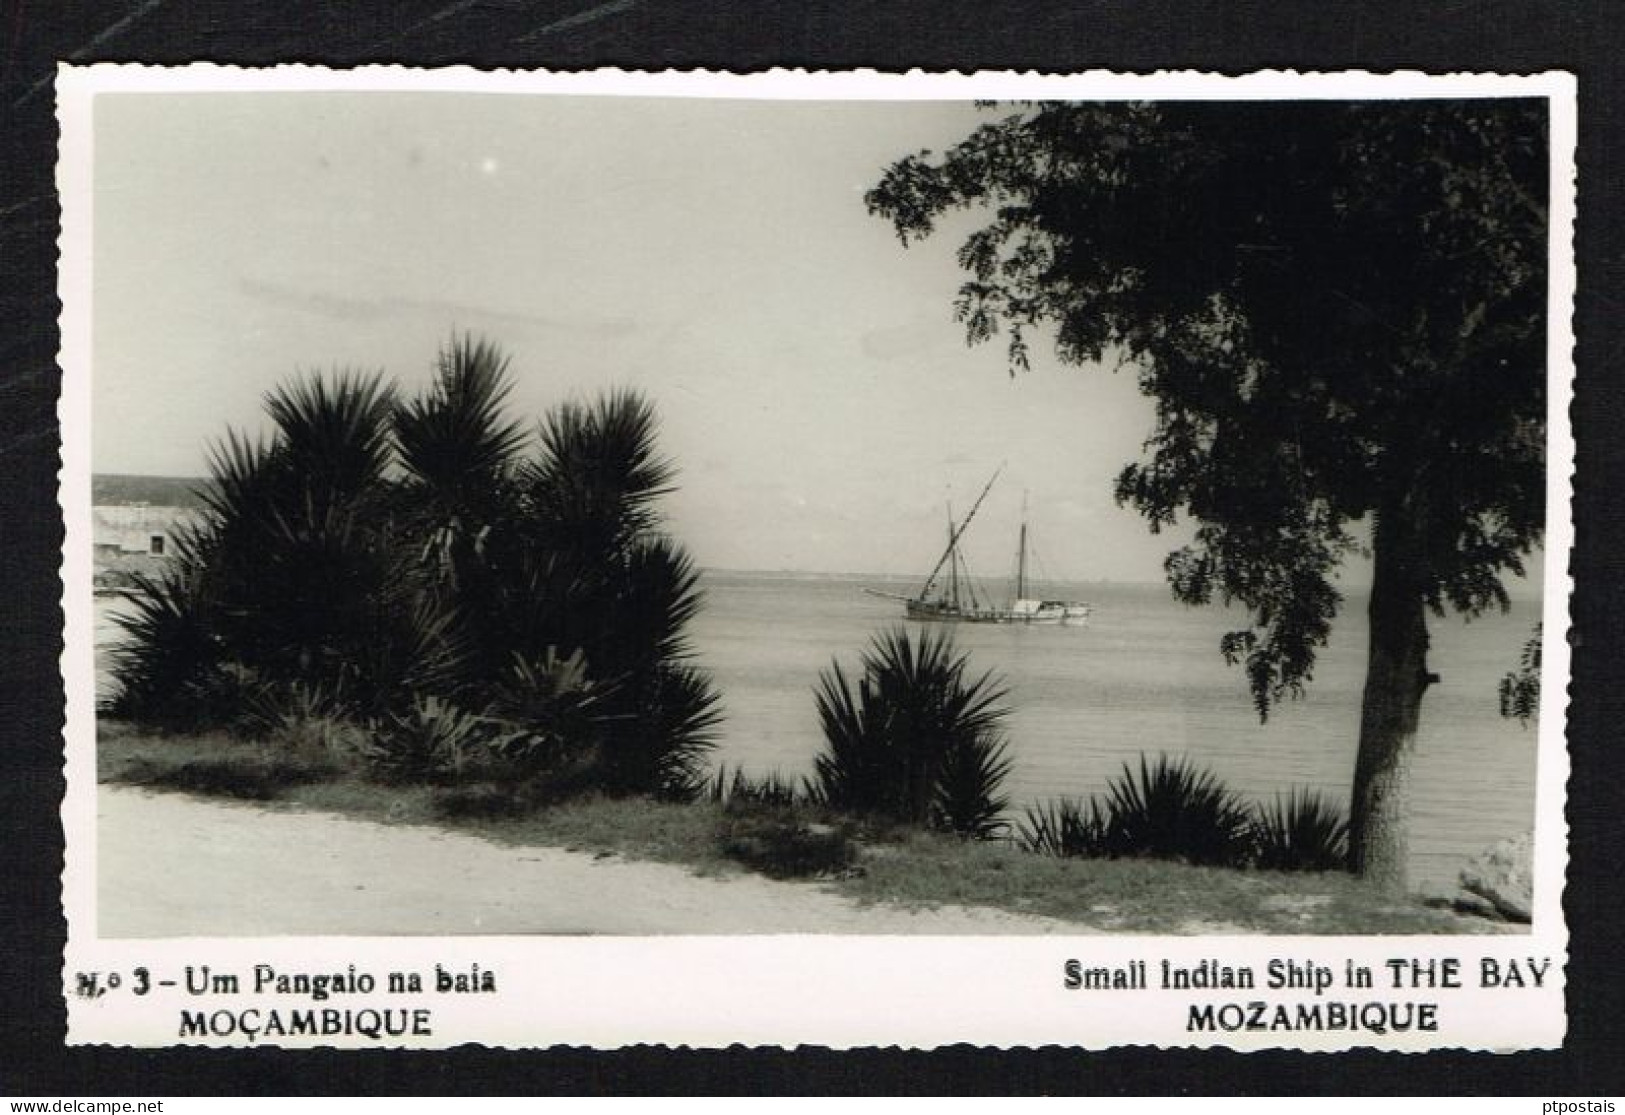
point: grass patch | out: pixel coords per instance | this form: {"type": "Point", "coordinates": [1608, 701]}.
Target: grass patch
{"type": "Point", "coordinates": [1139, 895]}
{"type": "Point", "coordinates": [1065, 827]}
{"type": "Point", "coordinates": [869, 863]}
{"type": "Point", "coordinates": [214, 765]}
{"type": "Point", "coordinates": [636, 828]}
{"type": "Point", "coordinates": [786, 841]}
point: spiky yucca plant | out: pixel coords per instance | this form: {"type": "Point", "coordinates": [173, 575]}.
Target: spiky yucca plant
{"type": "Point", "coordinates": [968, 801]}
{"type": "Point", "coordinates": [403, 551]}
{"type": "Point", "coordinates": [454, 438]}
{"type": "Point", "coordinates": [599, 475]}
{"type": "Point", "coordinates": [915, 740]}
{"type": "Point", "coordinates": [658, 733]}
{"type": "Point", "coordinates": [459, 451]}
{"type": "Point", "coordinates": [585, 567]}
{"type": "Point", "coordinates": [431, 740]}
{"type": "Point", "coordinates": [1066, 827]}
{"type": "Point", "coordinates": [549, 717]}
{"type": "Point", "coordinates": [1173, 809]}
{"type": "Point", "coordinates": [294, 567]}
{"type": "Point", "coordinates": [168, 651]}
{"type": "Point", "coordinates": [1302, 832]}
{"type": "Point", "coordinates": [738, 788]}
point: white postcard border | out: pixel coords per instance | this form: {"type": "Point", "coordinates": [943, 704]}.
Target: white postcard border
{"type": "Point", "coordinates": [796, 990]}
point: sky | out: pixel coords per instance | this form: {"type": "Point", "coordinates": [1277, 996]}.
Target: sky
{"type": "Point", "coordinates": [822, 406]}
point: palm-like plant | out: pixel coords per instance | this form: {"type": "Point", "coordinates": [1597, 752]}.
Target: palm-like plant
{"type": "Point", "coordinates": [430, 740]}
{"type": "Point", "coordinates": [915, 740]}
{"type": "Point", "coordinates": [454, 438]}
{"type": "Point", "coordinates": [549, 709]}
{"type": "Point", "coordinates": [644, 605]}
{"type": "Point", "coordinates": [599, 475]}
{"type": "Point", "coordinates": [398, 552]}
{"type": "Point", "coordinates": [459, 451]}
{"type": "Point", "coordinates": [659, 732]}
{"type": "Point", "coordinates": [1302, 832]}
{"type": "Point", "coordinates": [968, 801]}
{"type": "Point", "coordinates": [1175, 810]}
{"type": "Point", "coordinates": [295, 557]}
{"type": "Point", "coordinates": [587, 570]}
{"type": "Point", "coordinates": [333, 435]}
{"type": "Point", "coordinates": [1066, 827]}
{"type": "Point", "coordinates": [168, 649]}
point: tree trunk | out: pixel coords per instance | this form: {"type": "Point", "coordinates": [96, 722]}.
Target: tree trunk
{"type": "Point", "coordinates": [1396, 678]}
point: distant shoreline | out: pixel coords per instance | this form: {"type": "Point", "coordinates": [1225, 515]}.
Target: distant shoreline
{"type": "Point", "coordinates": [123, 489]}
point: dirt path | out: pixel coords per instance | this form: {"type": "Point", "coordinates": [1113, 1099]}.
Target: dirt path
{"type": "Point", "coordinates": [172, 865]}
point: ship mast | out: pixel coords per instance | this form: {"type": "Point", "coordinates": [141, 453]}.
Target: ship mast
{"type": "Point", "coordinates": [1021, 555]}
{"type": "Point", "coordinates": [1021, 564]}
{"type": "Point", "coordinates": [954, 535]}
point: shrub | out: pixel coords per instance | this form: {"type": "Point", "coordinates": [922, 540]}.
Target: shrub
{"type": "Point", "coordinates": [310, 722]}
{"type": "Point", "coordinates": [547, 711]}
{"type": "Point", "coordinates": [392, 550]}
{"type": "Point", "coordinates": [576, 562]}
{"type": "Point", "coordinates": [659, 738]}
{"type": "Point", "coordinates": [773, 789]}
{"type": "Point", "coordinates": [257, 775]}
{"type": "Point", "coordinates": [968, 802]}
{"type": "Point", "coordinates": [431, 741]}
{"type": "Point", "coordinates": [1065, 827]}
{"type": "Point", "coordinates": [297, 571]}
{"type": "Point", "coordinates": [1175, 810]}
{"type": "Point", "coordinates": [782, 842]}
{"type": "Point", "coordinates": [915, 740]}
{"type": "Point", "coordinates": [168, 660]}
{"type": "Point", "coordinates": [1301, 832]}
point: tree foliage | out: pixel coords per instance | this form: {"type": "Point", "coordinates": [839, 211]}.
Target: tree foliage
{"type": "Point", "coordinates": [1520, 689]}
{"type": "Point", "coordinates": [1338, 308]}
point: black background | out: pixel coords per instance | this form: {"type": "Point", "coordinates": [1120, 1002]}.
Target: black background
{"type": "Point", "coordinates": [1126, 35]}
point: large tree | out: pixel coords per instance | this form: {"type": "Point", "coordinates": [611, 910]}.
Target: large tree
{"type": "Point", "coordinates": [1339, 310]}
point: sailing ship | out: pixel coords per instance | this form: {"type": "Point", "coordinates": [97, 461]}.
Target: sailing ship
{"type": "Point", "coordinates": [950, 596]}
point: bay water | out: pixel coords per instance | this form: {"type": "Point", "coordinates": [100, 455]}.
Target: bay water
{"type": "Point", "coordinates": [1145, 677]}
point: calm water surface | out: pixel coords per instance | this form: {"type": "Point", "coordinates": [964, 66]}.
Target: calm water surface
{"type": "Point", "coordinates": [1145, 676]}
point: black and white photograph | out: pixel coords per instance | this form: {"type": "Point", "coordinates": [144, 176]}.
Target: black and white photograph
{"type": "Point", "coordinates": [1113, 532]}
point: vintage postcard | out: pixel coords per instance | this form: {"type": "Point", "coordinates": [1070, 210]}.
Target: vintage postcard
{"type": "Point", "coordinates": [815, 559]}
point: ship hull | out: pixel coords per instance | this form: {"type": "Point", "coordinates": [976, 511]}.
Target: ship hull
{"type": "Point", "coordinates": [1051, 613]}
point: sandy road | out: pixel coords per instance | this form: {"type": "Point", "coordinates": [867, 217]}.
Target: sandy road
{"type": "Point", "coordinates": [173, 865]}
